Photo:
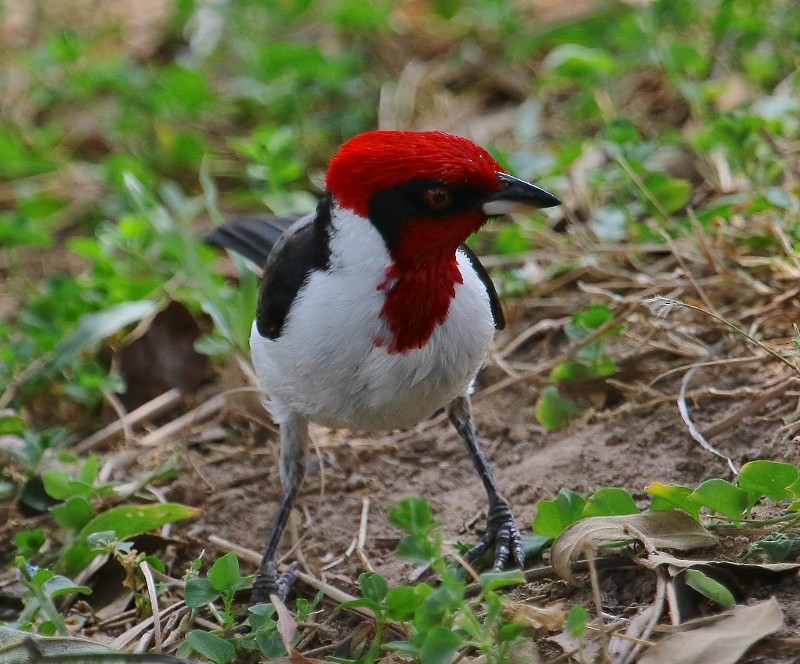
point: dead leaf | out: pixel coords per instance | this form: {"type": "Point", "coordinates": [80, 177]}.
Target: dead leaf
{"type": "Point", "coordinates": [536, 617]}
{"type": "Point", "coordinates": [588, 649]}
{"type": "Point", "coordinates": [17, 647]}
{"type": "Point", "coordinates": [287, 628]}
{"type": "Point", "coordinates": [163, 357]}
{"type": "Point", "coordinates": [767, 569]}
{"type": "Point", "coordinates": [668, 529]}
{"type": "Point", "coordinates": [723, 642]}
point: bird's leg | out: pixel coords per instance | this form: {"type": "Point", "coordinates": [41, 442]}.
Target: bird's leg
{"type": "Point", "coordinates": [501, 531]}
{"type": "Point", "coordinates": [294, 444]}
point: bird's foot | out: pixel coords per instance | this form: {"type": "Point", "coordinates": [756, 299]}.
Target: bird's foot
{"type": "Point", "coordinates": [269, 582]}
{"type": "Point", "coordinates": [502, 534]}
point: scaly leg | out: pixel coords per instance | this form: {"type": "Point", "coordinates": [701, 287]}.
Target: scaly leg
{"type": "Point", "coordinates": [501, 531]}
{"type": "Point", "coordinates": [294, 445]}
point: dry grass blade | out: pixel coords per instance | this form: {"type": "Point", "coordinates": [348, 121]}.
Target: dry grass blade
{"type": "Point", "coordinates": [683, 408]}
{"type": "Point", "coordinates": [101, 438]}
{"type": "Point", "coordinates": [624, 649]}
{"type": "Point", "coordinates": [134, 632]}
{"type": "Point", "coordinates": [749, 409]}
{"type": "Point", "coordinates": [153, 594]}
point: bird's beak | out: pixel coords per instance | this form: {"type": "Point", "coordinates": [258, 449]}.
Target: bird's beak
{"type": "Point", "coordinates": [516, 195]}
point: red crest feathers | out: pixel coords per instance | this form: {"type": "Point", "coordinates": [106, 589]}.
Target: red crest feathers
{"type": "Point", "coordinates": [379, 160]}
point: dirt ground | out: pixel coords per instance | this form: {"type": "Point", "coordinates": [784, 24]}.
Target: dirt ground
{"type": "Point", "coordinates": [632, 436]}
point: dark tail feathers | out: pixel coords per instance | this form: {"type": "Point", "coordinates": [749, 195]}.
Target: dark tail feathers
{"type": "Point", "coordinates": [252, 236]}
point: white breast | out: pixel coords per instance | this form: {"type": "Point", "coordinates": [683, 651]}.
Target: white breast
{"type": "Point", "coordinates": [325, 364]}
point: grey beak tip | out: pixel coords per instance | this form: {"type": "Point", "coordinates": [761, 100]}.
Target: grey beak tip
{"type": "Point", "coordinates": [525, 192]}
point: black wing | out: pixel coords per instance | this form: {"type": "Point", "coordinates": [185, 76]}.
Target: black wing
{"type": "Point", "coordinates": [288, 249]}
{"type": "Point", "coordinates": [483, 275]}
{"type": "Point", "coordinates": [252, 236]}
{"type": "Point", "coordinates": [302, 248]}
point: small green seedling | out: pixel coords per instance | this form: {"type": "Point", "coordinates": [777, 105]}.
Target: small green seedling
{"type": "Point", "coordinates": [44, 587]}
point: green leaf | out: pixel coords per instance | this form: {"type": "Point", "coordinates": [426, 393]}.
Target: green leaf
{"type": "Point", "coordinates": [439, 646]}
{"type": "Point", "coordinates": [73, 514]}
{"type": "Point", "coordinates": [555, 411]}
{"type": "Point", "coordinates": [570, 370]}
{"type": "Point", "coordinates": [772, 479]}
{"type": "Point", "coordinates": [224, 573]}
{"type": "Point", "coordinates": [57, 484]}
{"type": "Point", "coordinates": [510, 631]}
{"type": "Point", "coordinates": [610, 501]}
{"type": "Point", "coordinates": [413, 515]}
{"type": "Point", "coordinates": [403, 601]}
{"type": "Point", "coordinates": [585, 322]}
{"type": "Point", "coordinates": [511, 241]}
{"type": "Point", "coordinates": [440, 604]}
{"type": "Point", "coordinates": [553, 516]}
{"type": "Point", "coordinates": [41, 576]}
{"type": "Point", "coordinates": [577, 619]}
{"type": "Point", "coordinates": [496, 580]}
{"type": "Point", "coordinates": [417, 548]}
{"type": "Point", "coordinates": [12, 424]}
{"type": "Point", "coordinates": [672, 496]}
{"type": "Point", "coordinates": [373, 586]}
{"type": "Point", "coordinates": [404, 647]}
{"type": "Point", "coordinates": [672, 194]}
{"type": "Point", "coordinates": [594, 317]}
{"type": "Point", "coordinates": [723, 497]}
{"type": "Point", "coordinates": [89, 471]}
{"type": "Point", "coordinates": [777, 548]}
{"type": "Point", "coordinates": [534, 545]}
{"type": "Point", "coordinates": [710, 588]}
{"type": "Point", "coordinates": [58, 585]}
{"type": "Point", "coordinates": [29, 541]}
{"type": "Point", "coordinates": [580, 62]}
{"type": "Point", "coordinates": [125, 521]}
{"type": "Point", "coordinates": [622, 130]}
{"type": "Point", "coordinates": [95, 327]}
{"type": "Point", "coordinates": [215, 648]}
{"type": "Point", "coordinates": [261, 616]}
{"type": "Point", "coordinates": [363, 602]}
{"type": "Point", "coordinates": [199, 592]}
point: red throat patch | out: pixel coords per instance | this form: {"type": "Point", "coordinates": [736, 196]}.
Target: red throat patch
{"type": "Point", "coordinates": [421, 282]}
{"type": "Point", "coordinates": [417, 301]}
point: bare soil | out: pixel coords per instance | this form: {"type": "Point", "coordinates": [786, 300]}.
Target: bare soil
{"type": "Point", "coordinates": [632, 436]}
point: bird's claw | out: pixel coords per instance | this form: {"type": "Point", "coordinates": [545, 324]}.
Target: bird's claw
{"type": "Point", "coordinates": [503, 534]}
{"type": "Point", "coordinates": [269, 582]}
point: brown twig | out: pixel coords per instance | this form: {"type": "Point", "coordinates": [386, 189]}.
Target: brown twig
{"type": "Point", "coordinates": [152, 408]}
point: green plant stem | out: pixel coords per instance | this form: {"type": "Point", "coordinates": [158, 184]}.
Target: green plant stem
{"type": "Point", "coordinates": [641, 186]}
{"type": "Point", "coordinates": [49, 609]}
{"type": "Point", "coordinates": [375, 646]}
{"type": "Point", "coordinates": [784, 519]}
{"type": "Point", "coordinates": [217, 616]}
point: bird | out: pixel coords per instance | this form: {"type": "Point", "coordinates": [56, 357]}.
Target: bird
{"type": "Point", "coordinates": [373, 314]}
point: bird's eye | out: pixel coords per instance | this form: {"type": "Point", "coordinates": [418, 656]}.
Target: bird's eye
{"type": "Point", "coordinates": [438, 197]}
